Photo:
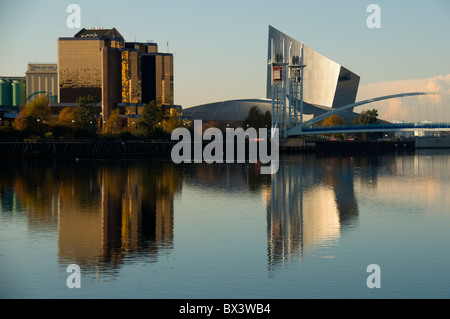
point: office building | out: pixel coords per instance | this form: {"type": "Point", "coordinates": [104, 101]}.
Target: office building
{"type": "Point", "coordinates": [127, 75]}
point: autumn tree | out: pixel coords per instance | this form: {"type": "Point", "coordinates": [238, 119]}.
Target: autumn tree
{"type": "Point", "coordinates": [113, 124]}
{"type": "Point", "coordinates": [171, 123]}
{"type": "Point", "coordinates": [34, 116]}
{"type": "Point", "coordinates": [69, 116]}
{"type": "Point", "coordinates": [333, 120]}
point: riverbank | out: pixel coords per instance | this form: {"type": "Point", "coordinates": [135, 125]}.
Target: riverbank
{"type": "Point", "coordinates": [352, 147]}
{"type": "Point", "coordinates": [136, 148]}
{"type": "Point", "coordinates": [85, 149]}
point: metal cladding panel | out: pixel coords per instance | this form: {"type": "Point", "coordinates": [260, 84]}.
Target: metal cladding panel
{"type": "Point", "coordinates": [320, 78]}
{"type": "Point", "coordinates": [347, 88]}
{"type": "Point", "coordinates": [321, 75]}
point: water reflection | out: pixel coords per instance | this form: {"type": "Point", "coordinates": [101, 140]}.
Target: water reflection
{"type": "Point", "coordinates": [311, 201]}
{"type": "Point", "coordinates": [103, 212]}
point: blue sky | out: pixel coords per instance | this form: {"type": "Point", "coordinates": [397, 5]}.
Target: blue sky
{"type": "Point", "coordinates": [221, 46]}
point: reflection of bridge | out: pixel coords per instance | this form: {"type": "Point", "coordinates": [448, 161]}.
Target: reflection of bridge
{"type": "Point", "coordinates": [309, 205]}
{"type": "Point", "coordinates": [307, 127]}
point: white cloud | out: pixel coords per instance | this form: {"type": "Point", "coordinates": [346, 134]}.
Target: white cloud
{"type": "Point", "coordinates": [434, 108]}
{"type": "Point", "coordinates": [440, 83]}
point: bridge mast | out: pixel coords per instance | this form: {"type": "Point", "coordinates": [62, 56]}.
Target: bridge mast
{"type": "Point", "coordinates": [278, 91]}
{"type": "Point", "coordinates": [284, 117]}
{"type": "Point", "coordinates": [296, 90]}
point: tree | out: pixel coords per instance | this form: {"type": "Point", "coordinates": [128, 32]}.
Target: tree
{"type": "Point", "coordinates": [367, 117]}
{"type": "Point", "coordinates": [69, 116]}
{"type": "Point", "coordinates": [86, 110]}
{"type": "Point", "coordinates": [34, 115]}
{"type": "Point", "coordinates": [171, 123]}
{"type": "Point", "coordinates": [255, 118]}
{"type": "Point", "coordinates": [333, 120]}
{"type": "Point", "coordinates": [152, 116]}
{"type": "Point", "coordinates": [114, 122]}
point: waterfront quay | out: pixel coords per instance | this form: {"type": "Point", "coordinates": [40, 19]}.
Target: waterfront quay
{"type": "Point", "coordinates": [85, 149]}
{"type": "Point", "coordinates": [135, 148]}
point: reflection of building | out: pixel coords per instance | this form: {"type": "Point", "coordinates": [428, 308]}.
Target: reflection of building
{"type": "Point", "coordinates": [308, 209]}
{"type": "Point", "coordinates": [126, 220]}
{"type": "Point", "coordinates": [102, 212]}
{"type": "Point", "coordinates": [42, 79]}
{"type": "Point", "coordinates": [99, 62]}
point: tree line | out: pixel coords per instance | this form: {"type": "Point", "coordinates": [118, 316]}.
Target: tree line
{"type": "Point", "coordinates": [36, 120]}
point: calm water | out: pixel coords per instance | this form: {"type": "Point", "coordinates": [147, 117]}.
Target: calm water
{"type": "Point", "coordinates": [153, 229]}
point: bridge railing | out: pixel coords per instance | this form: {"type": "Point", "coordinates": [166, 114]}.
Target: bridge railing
{"type": "Point", "coordinates": [377, 126]}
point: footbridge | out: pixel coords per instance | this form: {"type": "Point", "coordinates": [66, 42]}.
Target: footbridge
{"type": "Point", "coordinates": [310, 127]}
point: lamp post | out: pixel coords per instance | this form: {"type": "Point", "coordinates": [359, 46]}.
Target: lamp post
{"type": "Point", "coordinates": [73, 129]}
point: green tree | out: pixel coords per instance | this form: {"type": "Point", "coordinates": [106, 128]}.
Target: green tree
{"type": "Point", "coordinates": [367, 117]}
{"type": "Point", "coordinates": [153, 116]}
{"type": "Point", "coordinates": [255, 118]}
{"type": "Point", "coordinates": [86, 110]}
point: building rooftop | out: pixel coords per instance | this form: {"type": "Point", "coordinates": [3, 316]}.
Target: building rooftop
{"type": "Point", "coordinates": [99, 33]}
